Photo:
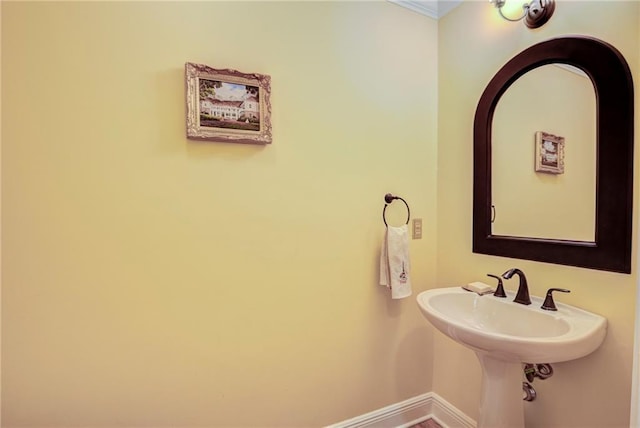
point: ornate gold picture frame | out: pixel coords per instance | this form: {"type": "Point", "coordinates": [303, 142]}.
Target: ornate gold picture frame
{"type": "Point", "coordinates": [227, 105]}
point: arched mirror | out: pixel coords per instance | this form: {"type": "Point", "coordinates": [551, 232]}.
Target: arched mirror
{"type": "Point", "coordinates": [553, 157]}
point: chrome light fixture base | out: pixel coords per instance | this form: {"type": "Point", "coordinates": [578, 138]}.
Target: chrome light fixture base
{"type": "Point", "coordinates": [539, 12]}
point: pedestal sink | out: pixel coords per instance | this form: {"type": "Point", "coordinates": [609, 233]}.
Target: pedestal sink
{"type": "Point", "coordinates": [504, 335]}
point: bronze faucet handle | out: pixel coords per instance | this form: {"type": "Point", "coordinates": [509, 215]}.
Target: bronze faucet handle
{"type": "Point", "coordinates": [500, 289]}
{"type": "Point", "coordinates": [549, 304]}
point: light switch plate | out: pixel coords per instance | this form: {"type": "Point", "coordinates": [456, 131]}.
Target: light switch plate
{"type": "Point", "coordinates": [417, 228]}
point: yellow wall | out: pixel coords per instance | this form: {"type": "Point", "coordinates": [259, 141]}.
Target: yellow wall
{"type": "Point", "coordinates": [474, 42]}
{"type": "Point", "coordinates": [153, 281]}
{"type": "Point", "coordinates": [149, 280]}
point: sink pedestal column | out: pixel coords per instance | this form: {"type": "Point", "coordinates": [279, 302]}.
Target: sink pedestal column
{"type": "Point", "coordinates": [501, 405]}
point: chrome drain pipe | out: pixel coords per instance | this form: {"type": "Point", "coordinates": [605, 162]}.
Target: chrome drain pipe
{"type": "Point", "coordinates": [528, 393]}
{"type": "Point", "coordinates": [544, 371]}
{"type": "Point", "coordinates": [532, 371]}
{"type": "Point", "coordinates": [540, 371]}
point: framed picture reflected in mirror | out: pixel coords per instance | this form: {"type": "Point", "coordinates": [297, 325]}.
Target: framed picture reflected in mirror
{"type": "Point", "coordinates": [549, 153]}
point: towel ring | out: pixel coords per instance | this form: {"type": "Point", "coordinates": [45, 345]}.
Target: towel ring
{"type": "Point", "coordinates": [388, 198]}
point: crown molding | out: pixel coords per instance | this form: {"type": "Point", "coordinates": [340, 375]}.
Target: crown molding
{"type": "Point", "coordinates": [432, 8]}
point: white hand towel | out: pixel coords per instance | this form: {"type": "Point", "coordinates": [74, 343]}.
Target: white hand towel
{"type": "Point", "coordinates": [395, 267]}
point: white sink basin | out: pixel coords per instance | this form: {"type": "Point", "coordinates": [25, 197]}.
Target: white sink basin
{"type": "Point", "coordinates": [511, 331]}
{"type": "Point", "coordinates": [505, 334]}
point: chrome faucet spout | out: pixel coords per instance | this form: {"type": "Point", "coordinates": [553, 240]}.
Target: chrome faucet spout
{"type": "Point", "coordinates": [522, 296]}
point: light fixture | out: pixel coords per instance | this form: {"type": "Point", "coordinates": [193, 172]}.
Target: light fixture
{"type": "Point", "coordinates": [535, 14]}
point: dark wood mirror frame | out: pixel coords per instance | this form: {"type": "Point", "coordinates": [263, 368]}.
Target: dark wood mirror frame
{"type": "Point", "coordinates": [613, 85]}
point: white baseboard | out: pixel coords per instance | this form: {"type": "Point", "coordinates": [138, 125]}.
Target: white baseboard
{"type": "Point", "coordinates": [410, 412]}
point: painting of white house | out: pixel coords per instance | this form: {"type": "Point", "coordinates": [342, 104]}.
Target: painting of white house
{"type": "Point", "coordinates": [229, 105]}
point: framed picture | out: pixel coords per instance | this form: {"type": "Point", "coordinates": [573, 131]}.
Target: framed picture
{"type": "Point", "coordinates": [549, 153]}
{"type": "Point", "coordinates": [227, 105]}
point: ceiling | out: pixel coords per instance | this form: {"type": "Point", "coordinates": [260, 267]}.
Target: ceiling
{"type": "Point", "coordinates": [432, 8]}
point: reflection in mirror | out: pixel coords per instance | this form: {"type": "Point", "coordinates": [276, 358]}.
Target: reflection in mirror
{"type": "Point", "coordinates": [560, 100]}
